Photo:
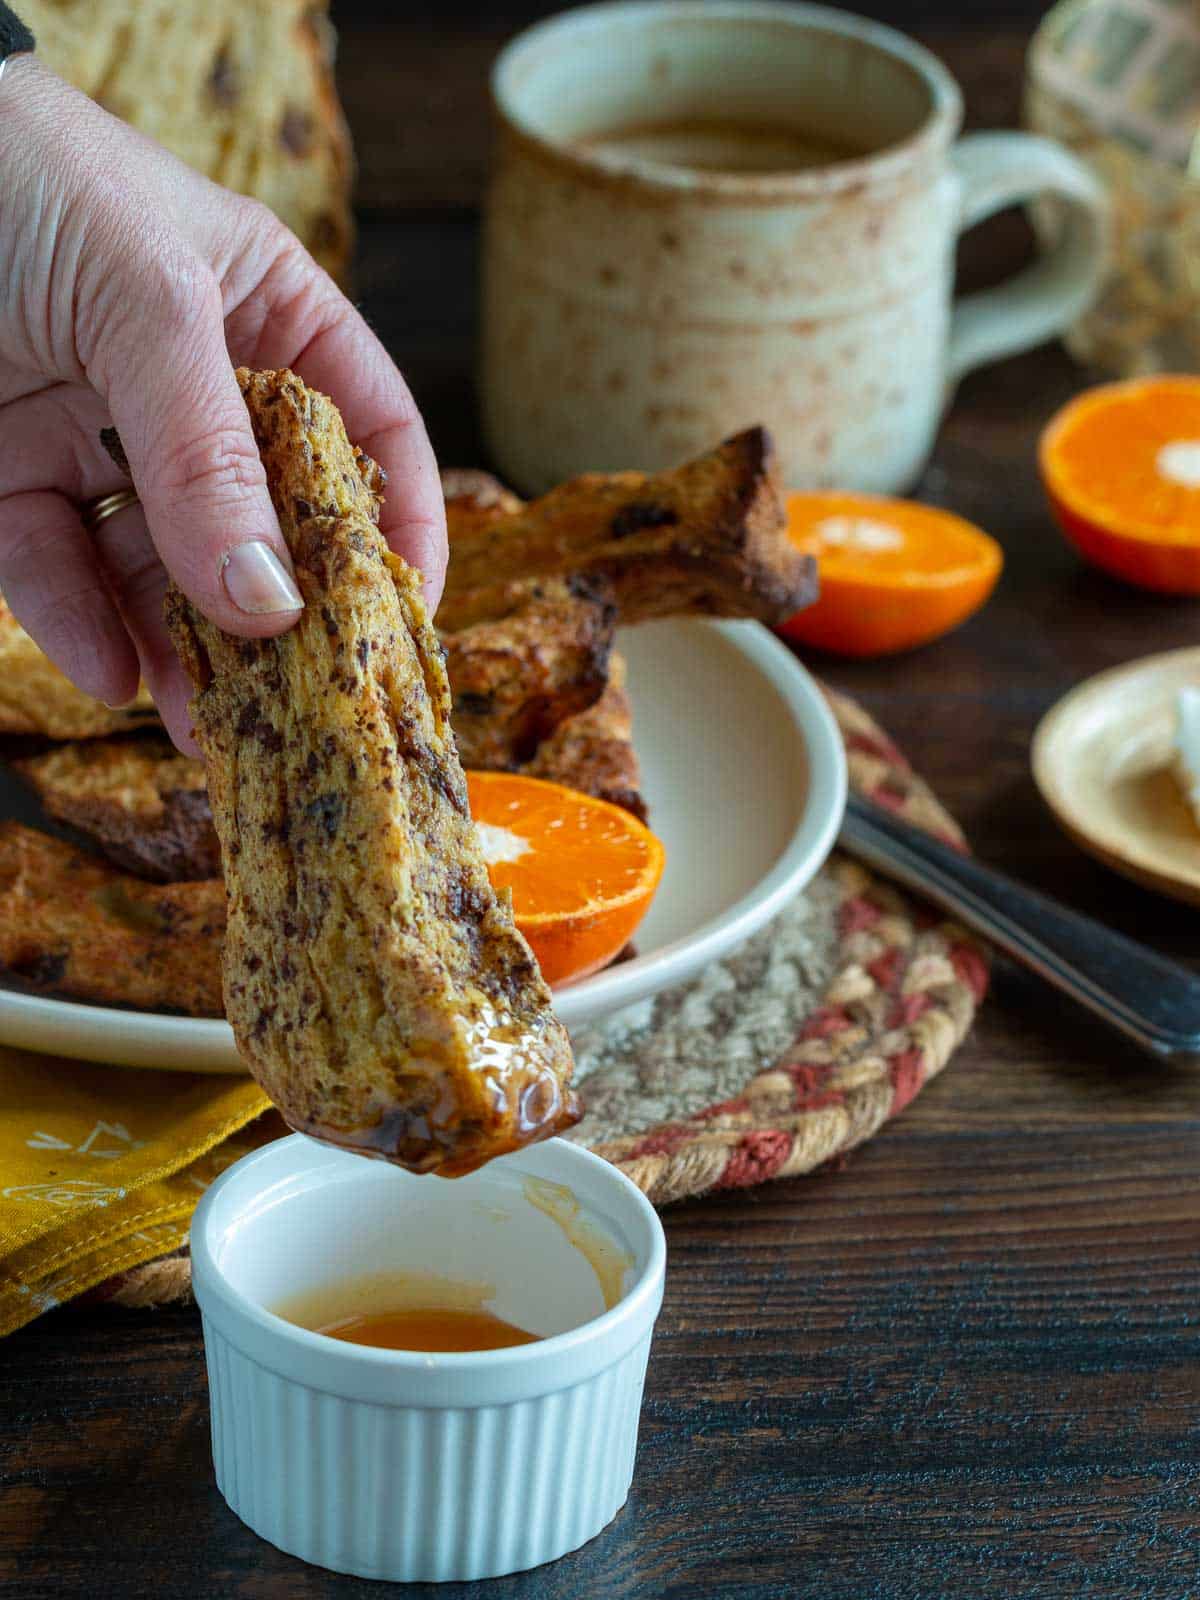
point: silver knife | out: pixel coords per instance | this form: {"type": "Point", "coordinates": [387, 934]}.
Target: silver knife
{"type": "Point", "coordinates": [1151, 1000]}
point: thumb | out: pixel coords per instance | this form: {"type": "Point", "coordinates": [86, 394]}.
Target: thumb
{"type": "Point", "coordinates": [175, 401]}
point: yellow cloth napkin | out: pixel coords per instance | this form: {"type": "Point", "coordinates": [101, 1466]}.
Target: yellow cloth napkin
{"type": "Point", "coordinates": [101, 1168]}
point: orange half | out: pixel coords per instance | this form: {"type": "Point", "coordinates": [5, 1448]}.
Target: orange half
{"type": "Point", "coordinates": [893, 574]}
{"type": "Point", "coordinates": [1121, 466]}
{"type": "Point", "coordinates": [582, 872]}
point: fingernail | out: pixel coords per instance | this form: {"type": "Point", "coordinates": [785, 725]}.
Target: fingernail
{"type": "Point", "coordinates": [257, 581]}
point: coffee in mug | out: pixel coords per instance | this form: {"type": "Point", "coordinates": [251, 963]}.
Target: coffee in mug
{"type": "Point", "coordinates": [699, 146]}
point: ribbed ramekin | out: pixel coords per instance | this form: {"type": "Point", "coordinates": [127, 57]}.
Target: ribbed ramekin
{"type": "Point", "coordinates": [411, 1466]}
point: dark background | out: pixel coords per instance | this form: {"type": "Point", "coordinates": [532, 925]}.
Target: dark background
{"type": "Point", "coordinates": [911, 14]}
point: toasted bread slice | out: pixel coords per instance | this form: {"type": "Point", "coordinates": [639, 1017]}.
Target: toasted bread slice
{"type": "Point", "coordinates": [515, 679]}
{"type": "Point", "coordinates": [593, 751]}
{"type": "Point", "coordinates": [143, 803]}
{"type": "Point", "coordinates": [73, 925]}
{"type": "Point", "coordinates": [590, 748]}
{"type": "Point", "coordinates": [36, 698]}
{"type": "Point", "coordinates": [377, 987]}
{"type": "Point", "coordinates": [709, 538]}
{"type": "Point", "coordinates": [538, 659]}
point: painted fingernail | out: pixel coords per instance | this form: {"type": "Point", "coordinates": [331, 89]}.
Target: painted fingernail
{"type": "Point", "coordinates": [257, 581]}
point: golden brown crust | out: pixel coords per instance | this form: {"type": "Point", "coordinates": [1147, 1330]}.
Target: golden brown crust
{"type": "Point", "coordinates": [516, 679]}
{"type": "Point", "coordinates": [709, 538]}
{"type": "Point", "coordinates": [377, 987]}
{"type": "Point", "coordinates": [593, 751]}
{"type": "Point", "coordinates": [72, 925]}
{"type": "Point", "coordinates": [143, 803]}
{"type": "Point", "coordinates": [35, 697]}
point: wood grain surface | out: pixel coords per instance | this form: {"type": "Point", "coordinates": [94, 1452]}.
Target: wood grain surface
{"type": "Point", "coordinates": [967, 1364]}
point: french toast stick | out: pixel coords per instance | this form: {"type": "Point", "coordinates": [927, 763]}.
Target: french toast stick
{"type": "Point", "coordinates": [593, 750]}
{"type": "Point", "coordinates": [144, 804]}
{"type": "Point", "coordinates": [515, 679]}
{"type": "Point", "coordinates": [73, 925]}
{"type": "Point", "coordinates": [376, 984]}
{"type": "Point", "coordinates": [709, 538]}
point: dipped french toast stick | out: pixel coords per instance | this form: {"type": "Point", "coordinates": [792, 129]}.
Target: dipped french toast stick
{"type": "Point", "coordinates": [377, 986]}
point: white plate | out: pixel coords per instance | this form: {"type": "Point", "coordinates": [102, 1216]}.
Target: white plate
{"type": "Point", "coordinates": [745, 777]}
{"type": "Point", "coordinates": [1102, 760]}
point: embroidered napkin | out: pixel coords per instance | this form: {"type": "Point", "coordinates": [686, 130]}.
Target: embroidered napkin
{"type": "Point", "coordinates": [101, 1167]}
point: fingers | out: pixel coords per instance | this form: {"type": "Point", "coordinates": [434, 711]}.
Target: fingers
{"type": "Point", "coordinates": [413, 522]}
{"type": "Point", "coordinates": [175, 401]}
{"type": "Point", "coordinates": [139, 582]}
{"type": "Point", "coordinates": [50, 578]}
{"type": "Point", "coordinates": [298, 319]}
{"type": "Point", "coordinates": [347, 361]}
{"type": "Point", "coordinates": [51, 439]}
{"type": "Point", "coordinates": [92, 601]}
{"type": "Point", "coordinates": [172, 691]}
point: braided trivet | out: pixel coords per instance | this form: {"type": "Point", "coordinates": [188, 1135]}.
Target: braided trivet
{"type": "Point", "coordinates": [813, 1036]}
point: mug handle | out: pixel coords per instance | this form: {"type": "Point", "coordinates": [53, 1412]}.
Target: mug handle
{"type": "Point", "coordinates": [1002, 169]}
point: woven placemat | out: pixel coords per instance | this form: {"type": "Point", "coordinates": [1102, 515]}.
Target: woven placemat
{"type": "Point", "coordinates": [785, 1056]}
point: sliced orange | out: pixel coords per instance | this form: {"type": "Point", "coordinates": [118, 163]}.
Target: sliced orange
{"type": "Point", "coordinates": [582, 872]}
{"type": "Point", "coordinates": [893, 574]}
{"type": "Point", "coordinates": [1121, 465]}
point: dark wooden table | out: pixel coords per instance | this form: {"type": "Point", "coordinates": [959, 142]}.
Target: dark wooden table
{"type": "Point", "coordinates": [965, 1365]}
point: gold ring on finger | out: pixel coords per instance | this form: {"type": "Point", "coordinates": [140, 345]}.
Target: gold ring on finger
{"type": "Point", "coordinates": [96, 512]}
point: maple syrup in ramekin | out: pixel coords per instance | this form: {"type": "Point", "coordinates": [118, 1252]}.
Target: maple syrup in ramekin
{"type": "Point", "coordinates": [442, 1328]}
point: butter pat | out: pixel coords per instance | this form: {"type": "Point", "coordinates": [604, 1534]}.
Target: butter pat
{"type": "Point", "coordinates": [1185, 756]}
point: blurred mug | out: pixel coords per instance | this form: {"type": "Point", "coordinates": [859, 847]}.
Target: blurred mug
{"type": "Point", "coordinates": [706, 214]}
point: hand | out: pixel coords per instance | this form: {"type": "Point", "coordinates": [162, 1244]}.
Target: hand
{"type": "Point", "coordinates": [129, 288]}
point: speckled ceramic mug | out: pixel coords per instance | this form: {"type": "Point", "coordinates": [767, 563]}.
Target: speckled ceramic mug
{"type": "Point", "coordinates": [635, 313]}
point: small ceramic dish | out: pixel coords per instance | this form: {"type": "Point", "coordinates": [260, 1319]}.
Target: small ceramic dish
{"type": "Point", "coordinates": [406, 1465]}
{"type": "Point", "coordinates": [745, 773]}
{"type": "Point", "coordinates": [1101, 758]}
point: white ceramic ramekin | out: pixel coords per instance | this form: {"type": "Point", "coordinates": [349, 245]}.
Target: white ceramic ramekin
{"type": "Point", "coordinates": [407, 1466]}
